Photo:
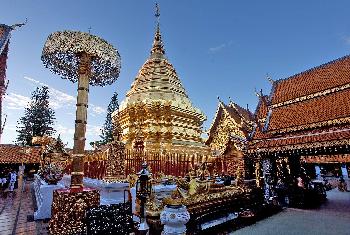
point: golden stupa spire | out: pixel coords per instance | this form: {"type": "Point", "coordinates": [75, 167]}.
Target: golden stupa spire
{"type": "Point", "coordinates": [157, 47]}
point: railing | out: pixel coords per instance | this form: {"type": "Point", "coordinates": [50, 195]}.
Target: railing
{"type": "Point", "coordinates": [176, 164]}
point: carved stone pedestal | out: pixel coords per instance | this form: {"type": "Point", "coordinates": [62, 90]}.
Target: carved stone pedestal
{"type": "Point", "coordinates": [68, 209]}
{"type": "Point", "coordinates": [174, 219]}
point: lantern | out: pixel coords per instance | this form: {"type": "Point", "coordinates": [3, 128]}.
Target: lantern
{"type": "Point", "coordinates": [143, 190]}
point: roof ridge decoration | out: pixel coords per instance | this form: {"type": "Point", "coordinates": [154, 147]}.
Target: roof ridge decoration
{"type": "Point", "coordinates": [311, 96]}
{"type": "Point", "coordinates": [220, 105]}
{"type": "Point", "coordinates": [244, 113]}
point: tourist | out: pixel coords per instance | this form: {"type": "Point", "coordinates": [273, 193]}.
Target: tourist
{"type": "Point", "coordinates": [3, 179]}
{"type": "Point", "coordinates": [13, 179]}
{"type": "Point", "coordinates": [300, 182]}
{"type": "Point", "coordinates": [342, 186]}
{"type": "Point", "coordinates": [281, 192]}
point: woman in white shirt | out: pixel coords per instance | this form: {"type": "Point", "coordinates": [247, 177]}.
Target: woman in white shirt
{"type": "Point", "coordinates": [13, 179]}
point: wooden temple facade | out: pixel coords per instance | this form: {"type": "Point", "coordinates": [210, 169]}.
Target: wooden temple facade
{"type": "Point", "coordinates": [305, 119]}
{"type": "Point", "coordinates": [228, 136]}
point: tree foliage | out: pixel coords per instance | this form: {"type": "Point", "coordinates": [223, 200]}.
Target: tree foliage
{"type": "Point", "coordinates": [38, 118]}
{"type": "Point", "coordinates": [108, 127]}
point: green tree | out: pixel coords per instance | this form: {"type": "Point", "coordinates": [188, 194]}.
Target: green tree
{"type": "Point", "coordinates": [108, 127]}
{"type": "Point", "coordinates": [38, 118]}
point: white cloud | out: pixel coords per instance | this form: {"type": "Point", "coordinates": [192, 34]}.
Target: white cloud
{"type": "Point", "coordinates": [220, 47]}
{"type": "Point", "coordinates": [11, 127]}
{"type": "Point", "coordinates": [346, 39]}
{"type": "Point", "coordinates": [64, 130]}
{"type": "Point", "coordinates": [92, 130]}
{"type": "Point", "coordinates": [59, 99]}
{"type": "Point", "coordinates": [97, 109]}
{"type": "Point", "coordinates": [15, 101]}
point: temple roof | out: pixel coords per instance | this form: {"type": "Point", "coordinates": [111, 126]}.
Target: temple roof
{"type": "Point", "coordinates": [303, 139]}
{"type": "Point", "coordinates": [310, 112]}
{"type": "Point", "coordinates": [10, 153]}
{"type": "Point", "coordinates": [241, 116]}
{"type": "Point", "coordinates": [323, 77]}
{"type": "Point", "coordinates": [307, 108]}
{"type": "Point", "coordinates": [157, 47]}
{"type": "Point", "coordinates": [158, 81]}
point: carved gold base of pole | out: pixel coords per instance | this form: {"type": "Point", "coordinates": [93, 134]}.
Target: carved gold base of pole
{"type": "Point", "coordinates": [68, 210]}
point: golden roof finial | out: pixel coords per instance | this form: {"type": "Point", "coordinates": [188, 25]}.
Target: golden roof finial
{"type": "Point", "coordinates": [14, 26]}
{"type": "Point", "coordinates": [257, 93]}
{"type": "Point", "coordinates": [157, 14]}
{"type": "Point", "coordinates": [157, 48]}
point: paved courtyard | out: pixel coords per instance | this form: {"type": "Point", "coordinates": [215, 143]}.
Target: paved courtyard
{"type": "Point", "coordinates": [332, 218]}
{"type": "Point", "coordinates": [14, 209]}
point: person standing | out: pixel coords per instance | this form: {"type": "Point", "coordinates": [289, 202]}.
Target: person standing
{"type": "Point", "coordinates": [13, 179]}
{"type": "Point", "coordinates": [2, 178]}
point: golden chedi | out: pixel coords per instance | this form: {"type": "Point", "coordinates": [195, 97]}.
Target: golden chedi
{"type": "Point", "coordinates": [158, 111]}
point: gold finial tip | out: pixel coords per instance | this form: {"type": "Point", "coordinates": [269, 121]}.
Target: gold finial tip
{"type": "Point", "coordinates": [268, 77]}
{"type": "Point", "coordinates": [157, 14]}
{"type": "Point", "coordinates": [256, 93]}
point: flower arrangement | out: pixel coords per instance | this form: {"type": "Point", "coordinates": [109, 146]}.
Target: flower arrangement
{"type": "Point", "coordinates": [51, 173]}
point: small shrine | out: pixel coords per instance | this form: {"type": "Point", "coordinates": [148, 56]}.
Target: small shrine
{"type": "Point", "coordinates": [228, 136]}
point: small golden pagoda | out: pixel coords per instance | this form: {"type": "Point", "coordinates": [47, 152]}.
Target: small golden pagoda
{"type": "Point", "coordinates": [157, 111]}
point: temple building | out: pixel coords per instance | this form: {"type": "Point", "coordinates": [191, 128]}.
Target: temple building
{"type": "Point", "coordinates": [5, 33]}
{"type": "Point", "coordinates": [304, 121]}
{"type": "Point", "coordinates": [157, 114]}
{"type": "Point", "coordinates": [228, 135]}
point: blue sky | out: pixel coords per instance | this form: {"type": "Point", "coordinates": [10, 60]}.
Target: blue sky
{"type": "Point", "coordinates": [218, 48]}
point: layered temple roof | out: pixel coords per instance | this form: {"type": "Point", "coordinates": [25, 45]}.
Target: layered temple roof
{"type": "Point", "coordinates": [231, 125]}
{"type": "Point", "coordinates": [157, 108]}
{"type": "Point", "coordinates": [241, 116]}
{"type": "Point", "coordinates": [10, 153]}
{"type": "Point", "coordinates": [310, 109]}
{"type": "Point", "coordinates": [158, 80]}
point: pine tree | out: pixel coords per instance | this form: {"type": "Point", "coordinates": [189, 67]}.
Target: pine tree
{"type": "Point", "coordinates": [108, 126]}
{"type": "Point", "coordinates": [38, 118]}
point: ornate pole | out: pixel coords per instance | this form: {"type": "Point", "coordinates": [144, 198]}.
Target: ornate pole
{"type": "Point", "coordinates": [60, 53]}
{"type": "Point", "coordinates": [84, 71]}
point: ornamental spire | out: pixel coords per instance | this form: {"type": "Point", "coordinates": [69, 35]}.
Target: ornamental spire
{"type": "Point", "coordinates": [157, 47]}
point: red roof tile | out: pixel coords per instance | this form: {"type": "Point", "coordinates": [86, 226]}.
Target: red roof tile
{"type": "Point", "coordinates": [262, 108]}
{"type": "Point", "coordinates": [320, 109]}
{"type": "Point", "coordinates": [329, 75]}
{"type": "Point", "coordinates": [305, 137]}
{"type": "Point", "coordinates": [304, 121]}
{"type": "Point", "coordinates": [16, 154]}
